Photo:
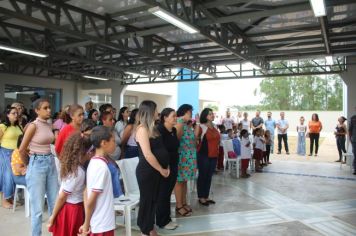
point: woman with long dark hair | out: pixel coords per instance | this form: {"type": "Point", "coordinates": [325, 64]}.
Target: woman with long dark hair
{"type": "Point", "coordinates": [170, 141]}
{"type": "Point", "coordinates": [152, 167]}
{"type": "Point", "coordinates": [41, 176]}
{"type": "Point", "coordinates": [10, 131]}
{"type": "Point", "coordinates": [129, 147]}
{"type": "Point", "coordinates": [315, 128]}
{"type": "Point", "coordinates": [122, 119]}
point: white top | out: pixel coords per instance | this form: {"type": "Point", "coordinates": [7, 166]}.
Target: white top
{"type": "Point", "coordinates": [258, 142]}
{"type": "Point", "coordinates": [131, 141]}
{"type": "Point", "coordinates": [302, 128]}
{"type": "Point", "coordinates": [74, 186]}
{"type": "Point", "coordinates": [223, 137]}
{"type": "Point", "coordinates": [264, 144]}
{"type": "Point", "coordinates": [282, 124]}
{"type": "Point", "coordinates": [99, 180]}
{"type": "Point", "coordinates": [245, 124]}
{"type": "Point", "coordinates": [119, 127]}
{"type": "Point", "coordinates": [228, 123]}
{"type": "Point", "coordinates": [245, 151]}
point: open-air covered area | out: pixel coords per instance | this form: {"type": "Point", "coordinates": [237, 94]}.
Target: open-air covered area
{"type": "Point", "coordinates": [88, 145]}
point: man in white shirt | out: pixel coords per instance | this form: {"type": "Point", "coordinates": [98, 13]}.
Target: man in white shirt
{"type": "Point", "coordinates": [282, 127]}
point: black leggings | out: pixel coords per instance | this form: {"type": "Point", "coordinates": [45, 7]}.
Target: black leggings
{"type": "Point", "coordinates": [268, 151]}
{"type": "Point", "coordinates": [314, 138]}
{"type": "Point", "coordinates": [340, 142]}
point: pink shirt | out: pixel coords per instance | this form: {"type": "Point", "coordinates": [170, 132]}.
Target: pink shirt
{"type": "Point", "coordinates": [43, 137]}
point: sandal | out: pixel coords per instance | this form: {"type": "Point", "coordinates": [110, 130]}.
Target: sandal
{"type": "Point", "coordinates": [187, 208]}
{"type": "Point", "coordinates": [203, 203]}
{"type": "Point", "coordinates": [210, 201]}
{"type": "Point", "coordinates": [184, 214]}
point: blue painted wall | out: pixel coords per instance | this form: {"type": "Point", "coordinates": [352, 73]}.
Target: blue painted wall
{"type": "Point", "coordinates": [188, 92]}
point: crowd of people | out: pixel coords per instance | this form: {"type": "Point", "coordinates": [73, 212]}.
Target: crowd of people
{"type": "Point", "coordinates": [172, 149]}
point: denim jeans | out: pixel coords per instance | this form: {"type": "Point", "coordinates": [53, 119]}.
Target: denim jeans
{"type": "Point", "coordinates": [206, 166]}
{"type": "Point", "coordinates": [20, 179]}
{"type": "Point", "coordinates": [340, 143]}
{"type": "Point", "coordinates": [41, 179]}
{"type": "Point", "coordinates": [7, 186]}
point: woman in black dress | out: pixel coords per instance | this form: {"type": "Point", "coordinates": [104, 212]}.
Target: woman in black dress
{"type": "Point", "coordinates": [152, 166]}
{"type": "Point", "coordinates": [340, 134]}
{"type": "Point", "coordinates": [171, 143]}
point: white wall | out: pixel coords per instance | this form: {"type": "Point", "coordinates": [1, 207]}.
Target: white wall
{"type": "Point", "coordinates": [162, 101]}
{"type": "Point", "coordinates": [69, 88]}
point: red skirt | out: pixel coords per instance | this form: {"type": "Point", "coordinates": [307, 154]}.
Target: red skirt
{"type": "Point", "coordinates": [107, 233]}
{"type": "Point", "coordinates": [68, 220]}
{"type": "Point", "coordinates": [245, 163]}
{"type": "Point", "coordinates": [257, 154]}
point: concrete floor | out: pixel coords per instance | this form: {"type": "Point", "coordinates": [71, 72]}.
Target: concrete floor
{"type": "Point", "coordinates": [293, 196]}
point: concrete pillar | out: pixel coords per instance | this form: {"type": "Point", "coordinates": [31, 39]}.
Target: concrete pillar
{"type": "Point", "coordinates": [117, 95]}
{"type": "Point", "coordinates": [349, 78]}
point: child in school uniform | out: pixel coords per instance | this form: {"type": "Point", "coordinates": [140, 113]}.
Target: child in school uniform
{"type": "Point", "coordinates": [245, 152]}
{"type": "Point", "coordinates": [264, 149]}
{"type": "Point", "coordinates": [68, 212]}
{"type": "Point", "coordinates": [258, 146]}
{"type": "Point", "coordinates": [268, 140]}
{"type": "Point", "coordinates": [99, 206]}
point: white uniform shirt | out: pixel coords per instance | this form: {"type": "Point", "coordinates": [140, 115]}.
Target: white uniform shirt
{"type": "Point", "coordinates": [245, 125]}
{"type": "Point", "coordinates": [245, 151]}
{"type": "Point", "coordinates": [99, 180]}
{"type": "Point", "coordinates": [74, 186]}
{"type": "Point", "coordinates": [258, 142]}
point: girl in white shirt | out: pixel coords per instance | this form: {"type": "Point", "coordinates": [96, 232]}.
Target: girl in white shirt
{"type": "Point", "coordinates": [301, 129]}
{"type": "Point", "coordinates": [68, 213]}
{"type": "Point", "coordinates": [245, 152]}
{"type": "Point", "coordinates": [258, 146]}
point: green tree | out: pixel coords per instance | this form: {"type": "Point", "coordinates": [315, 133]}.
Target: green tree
{"type": "Point", "coordinates": [309, 92]}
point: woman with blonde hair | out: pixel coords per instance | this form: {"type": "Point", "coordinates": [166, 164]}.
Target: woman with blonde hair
{"type": "Point", "coordinates": [153, 165]}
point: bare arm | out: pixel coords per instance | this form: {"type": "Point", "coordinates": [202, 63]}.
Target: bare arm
{"type": "Point", "coordinates": [1, 134]}
{"type": "Point", "coordinates": [197, 133]}
{"type": "Point", "coordinates": [126, 135]}
{"type": "Point", "coordinates": [61, 199]}
{"type": "Point", "coordinates": [179, 127]}
{"type": "Point", "coordinates": [143, 139]}
{"type": "Point", "coordinates": [30, 131]}
{"type": "Point", "coordinates": [89, 209]}
{"type": "Point", "coordinates": [321, 126]}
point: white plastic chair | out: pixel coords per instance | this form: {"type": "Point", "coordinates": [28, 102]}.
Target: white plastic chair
{"type": "Point", "coordinates": [27, 199]}
{"type": "Point", "coordinates": [132, 193]}
{"type": "Point", "coordinates": [233, 163]}
{"type": "Point", "coordinates": [349, 156]}
{"type": "Point", "coordinates": [57, 162]}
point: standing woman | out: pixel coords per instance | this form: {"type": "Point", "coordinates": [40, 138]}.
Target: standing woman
{"type": "Point", "coordinates": [171, 143]}
{"type": "Point", "coordinates": [76, 113]}
{"type": "Point", "coordinates": [340, 134]}
{"type": "Point", "coordinates": [208, 139]}
{"type": "Point", "coordinates": [10, 131]}
{"type": "Point", "coordinates": [41, 176]}
{"type": "Point", "coordinates": [187, 164]}
{"type": "Point", "coordinates": [129, 147]}
{"type": "Point", "coordinates": [153, 164]}
{"type": "Point", "coordinates": [315, 127]}
{"type": "Point", "coordinates": [122, 119]}
{"type": "Point", "coordinates": [22, 119]}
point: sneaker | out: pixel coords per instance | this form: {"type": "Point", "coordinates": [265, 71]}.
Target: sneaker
{"type": "Point", "coordinates": [316, 155]}
{"type": "Point", "coordinates": [338, 161]}
{"type": "Point", "coordinates": [278, 152]}
{"type": "Point", "coordinates": [287, 153]}
{"type": "Point", "coordinates": [354, 172]}
{"type": "Point", "coordinates": [171, 226]}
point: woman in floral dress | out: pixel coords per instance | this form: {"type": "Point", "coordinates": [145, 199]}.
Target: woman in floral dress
{"type": "Point", "coordinates": [187, 164]}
